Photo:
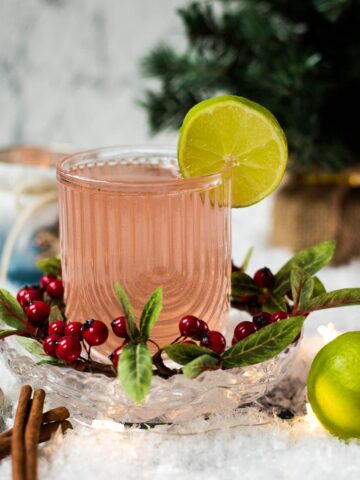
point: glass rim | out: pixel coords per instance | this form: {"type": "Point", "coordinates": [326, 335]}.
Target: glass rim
{"type": "Point", "coordinates": [131, 151]}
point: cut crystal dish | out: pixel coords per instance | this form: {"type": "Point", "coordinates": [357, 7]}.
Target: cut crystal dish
{"type": "Point", "coordinates": [172, 401]}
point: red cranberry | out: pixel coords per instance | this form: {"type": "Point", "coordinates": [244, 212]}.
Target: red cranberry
{"type": "Point", "coordinates": [215, 341]}
{"type": "Point", "coordinates": [188, 342]}
{"type": "Point", "coordinates": [115, 355]}
{"type": "Point", "coordinates": [28, 294]}
{"type": "Point", "coordinates": [45, 280]}
{"type": "Point", "coordinates": [37, 313]}
{"type": "Point", "coordinates": [118, 326]}
{"type": "Point", "coordinates": [205, 328]}
{"type": "Point", "coordinates": [95, 332]}
{"type": "Point", "coordinates": [245, 298]}
{"type": "Point", "coordinates": [234, 340]}
{"type": "Point", "coordinates": [57, 328]}
{"type": "Point", "coordinates": [74, 329]}
{"type": "Point", "coordinates": [260, 320]}
{"type": "Point", "coordinates": [243, 330]}
{"type": "Point", "coordinates": [275, 317]}
{"type": "Point", "coordinates": [193, 327]}
{"type": "Point", "coordinates": [68, 349]}
{"type": "Point", "coordinates": [55, 289]}
{"type": "Point", "coordinates": [49, 344]}
{"type": "Point", "coordinates": [264, 278]}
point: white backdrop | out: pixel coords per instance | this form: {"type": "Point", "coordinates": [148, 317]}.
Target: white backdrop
{"type": "Point", "coordinates": [69, 69]}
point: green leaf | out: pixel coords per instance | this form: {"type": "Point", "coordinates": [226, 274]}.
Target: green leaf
{"type": "Point", "coordinates": [311, 260]}
{"type": "Point", "coordinates": [150, 313]}
{"type": "Point", "coordinates": [135, 371]}
{"type": "Point", "coordinates": [302, 287]}
{"type": "Point", "coordinates": [331, 9]}
{"type": "Point", "coordinates": [132, 329]}
{"type": "Point", "coordinates": [35, 348]}
{"type": "Point", "coordinates": [50, 361]}
{"type": "Point", "coordinates": [242, 284]}
{"type": "Point", "coordinates": [319, 287]}
{"type": "Point", "coordinates": [55, 314]}
{"type": "Point", "coordinates": [11, 312]}
{"type": "Point", "coordinates": [274, 304]}
{"type": "Point", "coordinates": [32, 346]}
{"type": "Point", "coordinates": [7, 333]}
{"type": "Point", "coordinates": [263, 344]}
{"type": "Point", "coordinates": [247, 259]}
{"type": "Point", "coordinates": [199, 365]}
{"type": "Point", "coordinates": [345, 297]}
{"type": "Point", "coordinates": [50, 266]}
{"type": "Point", "coordinates": [183, 354]}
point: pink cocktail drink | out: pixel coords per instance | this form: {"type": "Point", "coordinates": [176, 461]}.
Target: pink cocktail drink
{"type": "Point", "coordinates": [128, 216]}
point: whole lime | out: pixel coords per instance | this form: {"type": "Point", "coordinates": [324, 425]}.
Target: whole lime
{"type": "Point", "coordinates": [334, 386]}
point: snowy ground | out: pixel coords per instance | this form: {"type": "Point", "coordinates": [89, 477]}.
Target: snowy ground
{"type": "Point", "coordinates": [280, 450]}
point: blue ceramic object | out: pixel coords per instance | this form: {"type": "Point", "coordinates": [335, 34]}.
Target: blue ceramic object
{"type": "Point", "coordinates": [28, 212]}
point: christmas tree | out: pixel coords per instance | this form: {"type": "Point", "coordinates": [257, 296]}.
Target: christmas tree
{"type": "Point", "coordinates": [300, 59]}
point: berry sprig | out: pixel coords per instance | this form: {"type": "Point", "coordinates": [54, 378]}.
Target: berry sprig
{"type": "Point", "coordinates": [47, 334]}
{"type": "Point", "coordinates": [283, 301]}
{"type": "Point", "coordinates": [269, 292]}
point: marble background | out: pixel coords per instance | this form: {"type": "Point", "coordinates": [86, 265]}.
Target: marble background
{"type": "Point", "coordinates": [69, 69]}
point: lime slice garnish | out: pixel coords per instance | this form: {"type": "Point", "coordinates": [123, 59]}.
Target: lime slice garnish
{"type": "Point", "coordinates": [234, 133]}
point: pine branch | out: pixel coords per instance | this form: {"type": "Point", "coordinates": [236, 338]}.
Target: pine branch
{"type": "Point", "coordinates": [299, 59]}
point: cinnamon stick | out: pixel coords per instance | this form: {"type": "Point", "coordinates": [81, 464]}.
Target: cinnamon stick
{"type": "Point", "coordinates": [17, 438]}
{"type": "Point", "coordinates": [45, 434]}
{"type": "Point", "coordinates": [32, 433]}
{"type": "Point", "coordinates": [57, 414]}
{"type": "Point", "coordinates": [50, 428]}
{"type": "Point", "coordinates": [5, 447]}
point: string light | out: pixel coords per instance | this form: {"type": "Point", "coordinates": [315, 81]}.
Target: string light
{"type": "Point", "coordinates": [328, 332]}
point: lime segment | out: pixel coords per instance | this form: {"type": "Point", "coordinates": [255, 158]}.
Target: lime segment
{"type": "Point", "coordinates": [230, 132]}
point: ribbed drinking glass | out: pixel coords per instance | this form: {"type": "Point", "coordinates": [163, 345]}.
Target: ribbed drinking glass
{"type": "Point", "coordinates": [127, 215]}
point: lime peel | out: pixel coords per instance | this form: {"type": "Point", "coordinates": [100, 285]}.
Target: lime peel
{"type": "Point", "coordinates": [334, 386]}
{"type": "Point", "coordinates": [230, 132]}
